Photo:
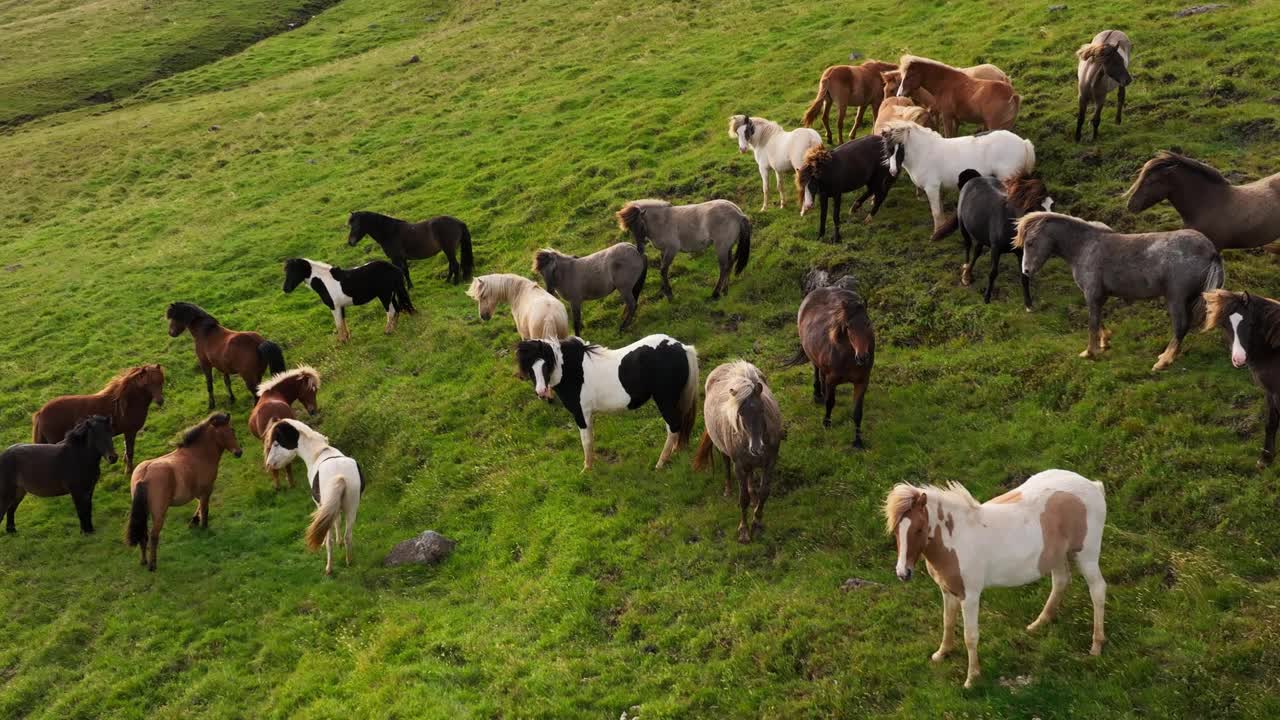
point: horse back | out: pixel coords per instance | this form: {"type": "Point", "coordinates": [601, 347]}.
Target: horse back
{"type": "Point", "coordinates": [426, 238]}
{"type": "Point", "coordinates": [55, 418]}
{"type": "Point", "coordinates": [268, 408]}
{"type": "Point", "coordinates": [42, 470]}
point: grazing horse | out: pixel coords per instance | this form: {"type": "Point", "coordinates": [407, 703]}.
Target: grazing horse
{"type": "Point", "coordinates": [1103, 66]}
{"type": "Point", "coordinates": [905, 110]}
{"type": "Point", "coordinates": [404, 241]}
{"type": "Point", "coordinates": [183, 475]}
{"type": "Point", "coordinates": [775, 149]}
{"type": "Point", "coordinates": [1036, 529]}
{"type": "Point", "coordinates": [1252, 326]}
{"type": "Point", "coordinates": [744, 424]}
{"type": "Point", "coordinates": [537, 313]}
{"type": "Point", "coordinates": [893, 78]}
{"type": "Point", "coordinates": [619, 268]}
{"type": "Point", "coordinates": [690, 228]}
{"type": "Point", "coordinates": [67, 467]}
{"type": "Point", "coordinates": [339, 289]}
{"type": "Point", "coordinates": [958, 97]}
{"type": "Point", "coordinates": [591, 379]}
{"type": "Point", "coordinates": [935, 163]}
{"type": "Point", "coordinates": [246, 354]}
{"type": "Point", "coordinates": [828, 174]}
{"type": "Point", "coordinates": [275, 402]}
{"type": "Point", "coordinates": [336, 484]}
{"type": "Point", "coordinates": [1177, 266]}
{"type": "Point", "coordinates": [1231, 216]}
{"type": "Point", "coordinates": [125, 399]}
{"type": "Point", "coordinates": [837, 338]}
{"type": "Point", "coordinates": [845, 85]}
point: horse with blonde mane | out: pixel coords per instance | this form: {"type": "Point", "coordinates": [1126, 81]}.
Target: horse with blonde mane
{"type": "Point", "coordinates": [775, 149]}
{"type": "Point", "coordinates": [275, 402]}
{"type": "Point", "coordinates": [1103, 66]}
{"type": "Point", "coordinates": [902, 109]}
{"type": "Point", "coordinates": [1251, 324]}
{"type": "Point", "coordinates": [958, 97]}
{"type": "Point", "coordinates": [125, 399]}
{"type": "Point", "coordinates": [537, 313]}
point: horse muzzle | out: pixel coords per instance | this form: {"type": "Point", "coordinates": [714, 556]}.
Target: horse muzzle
{"type": "Point", "coordinates": [159, 402]}
{"type": "Point", "coordinates": [547, 394]}
{"type": "Point", "coordinates": [351, 241]}
{"type": "Point", "coordinates": [1239, 360]}
{"type": "Point", "coordinates": [904, 575]}
{"type": "Point", "coordinates": [237, 452]}
{"type": "Point", "coordinates": [312, 411]}
{"type": "Point", "coordinates": [112, 458]}
{"type": "Point", "coordinates": [486, 316]}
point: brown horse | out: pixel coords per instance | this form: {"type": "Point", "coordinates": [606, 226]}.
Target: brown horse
{"type": "Point", "coordinates": [845, 85]}
{"type": "Point", "coordinates": [957, 97]}
{"type": "Point", "coordinates": [246, 354]}
{"type": "Point", "coordinates": [183, 475]}
{"type": "Point", "coordinates": [1252, 326]}
{"type": "Point", "coordinates": [1103, 66]}
{"type": "Point", "coordinates": [904, 109]}
{"type": "Point", "coordinates": [125, 400]}
{"type": "Point", "coordinates": [403, 241]}
{"type": "Point", "coordinates": [837, 338]}
{"type": "Point", "coordinates": [275, 402]}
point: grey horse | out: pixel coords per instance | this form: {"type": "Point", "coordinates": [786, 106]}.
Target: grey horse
{"type": "Point", "coordinates": [690, 228]}
{"type": "Point", "coordinates": [620, 267]}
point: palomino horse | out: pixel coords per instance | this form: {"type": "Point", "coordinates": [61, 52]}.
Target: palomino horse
{"type": "Point", "coordinates": [537, 313]}
{"type": "Point", "coordinates": [404, 241]}
{"type": "Point", "coordinates": [1103, 66]}
{"type": "Point", "coordinates": [339, 289]}
{"type": "Point", "coordinates": [275, 402]}
{"type": "Point", "coordinates": [591, 379]}
{"type": "Point", "coordinates": [904, 110]}
{"type": "Point", "coordinates": [67, 467]}
{"type": "Point", "coordinates": [246, 354]}
{"type": "Point", "coordinates": [744, 425]}
{"type": "Point", "coordinates": [125, 399]}
{"type": "Point", "coordinates": [690, 228]}
{"type": "Point", "coordinates": [957, 97]}
{"type": "Point", "coordinates": [1036, 529]}
{"type": "Point", "coordinates": [619, 268]}
{"type": "Point", "coordinates": [1177, 266]}
{"type": "Point", "coordinates": [775, 149]}
{"type": "Point", "coordinates": [837, 338]}
{"type": "Point", "coordinates": [183, 475]}
{"type": "Point", "coordinates": [828, 174]}
{"type": "Point", "coordinates": [845, 85]}
{"type": "Point", "coordinates": [1252, 326]}
{"type": "Point", "coordinates": [1231, 216]}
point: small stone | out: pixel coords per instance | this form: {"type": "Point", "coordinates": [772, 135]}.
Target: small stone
{"type": "Point", "coordinates": [1198, 10]}
{"type": "Point", "coordinates": [428, 548]}
{"type": "Point", "coordinates": [855, 55]}
{"type": "Point", "coordinates": [215, 128]}
{"type": "Point", "coordinates": [1057, 8]}
{"type": "Point", "coordinates": [412, 60]}
{"type": "Point", "coordinates": [13, 268]}
{"type": "Point", "coordinates": [856, 584]}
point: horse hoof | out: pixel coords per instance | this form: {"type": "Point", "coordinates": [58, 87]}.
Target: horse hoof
{"type": "Point", "coordinates": [11, 531]}
{"type": "Point", "coordinates": [1096, 650]}
{"type": "Point", "coordinates": [1027, 308]}
{"type": "Point", "coordinates": [868, 219]}
{"type": "Point", "coordinates": [826, 423]}
{"type": "Point", "coordinates": [744, 538]}
{"type": "Point", "coordinates": [968, 682]}
{"type": "Point", "coordinates": [938, 656]}
{"type": "Point", "coordinates": [858, 444]}
{"type": "Point", "coordinates": [1089, 355]}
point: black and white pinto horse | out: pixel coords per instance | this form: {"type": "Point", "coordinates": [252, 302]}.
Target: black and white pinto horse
{"type": "Point", "coordinates": [339, 289]}
{"type": "Point", "coordinates": [590, 379]}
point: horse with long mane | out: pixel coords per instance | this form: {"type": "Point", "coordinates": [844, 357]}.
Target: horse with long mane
{"type": "Point", "coordinates": [537, 313]}
{"type": "Point", "coordinates": [246, 354]}
{"type": "Point", "coordinates": [837, 338]}
{"type": "Point", "coordinates": [675, 229]}
{"type": "Point", "coordinates": [957, 97]}
{"type": "Point", "coordinates": [183, 475]}
{"type": "Point", "coordinates": [275, 402]}
{"type": "Point", "coordinates": [775, 149]}
{"type": "Point", "coordinates": [845, 85]}
{"type": "Point", "coordinates": [589, 379]}
{"type": "Point", "coordinates": [1103, 66]}
{"type": "Point", "coordinates": [1177, 266]}
{"type": "Point", "coordinates": [125, 399]}
{"type": "Point", "coordinates": [1231, 216]}
{"type": "Point", "coordinates": [1039, 528]}
{"type": "Point", "coordinates": [744, 425]}
{"type": "Point", "coordinates": [339, 289]}
{"type": "Point", "coordinates": [619, 268]}
{"type": "Point", "coordinates": [1251, 324]}
{"type": "Point", "coordinates": [403, 241]}
{"type": "Point", "coordinates": [902, 109]}
{"type": "Point", "coordinates": [67, 467]}
{"type": "Point", "coordinates": [828, 174]}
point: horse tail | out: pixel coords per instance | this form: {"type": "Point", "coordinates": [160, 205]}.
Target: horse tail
{"type": "Point", "coordinates": [35, 427]}
{"type": "Point", "coordinates": [1214, 278]}
{"type": "Point", "coordinates": [688, 406]}
{"type": "Point", "coordinates": [135, 530]}
{"type": "Point", "coordinates": [1028, 158]}
{"type": "Point", "coordinates": [744, 244]}
{"type": "Point", "coordinates": [1015, 105]}
{"type": "Point", "coordinates": [400, 295]}
{"type": "Point", "coordinates": [271, 354]}
{"type": "Point", "coordinates": [326, 515]}
{"type": "Point", "coordinates": [948, 226]}
{"type": "Point", "coordinates": [799, 358]}
{"type": "Point", "coordinates": [644, 270]}
{"type": "Point", "coordinates": [704, 457]}
{"type": "Point", "coordinates": [468, 262]}
{"type": "Point", "coordinates": [811, 113]}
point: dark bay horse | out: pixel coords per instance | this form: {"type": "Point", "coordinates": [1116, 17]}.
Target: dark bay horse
{"type": "Point", "coordinates": [691, 228]}
{"type": "Point", "coordinates": [275, 402]}
{"type": "Point", "coordinates": [1252, 326]}
{"type": "Point", "coordinates": [403, 241]}
{"type": "Point", "coordinates": [125, 399]}
{"type": "Point", "coordinates": [828, 174]}
{"type": "Point", "coordinates": [67, 467]}
{"type": "Point", "coordinates": [1103, 66]}
{"type": "Point", "coordinates": [246, 354]}
{"type": "Point", "coordinates": [618, 268]}
{"type": "Point", "coordinates": [837, 338]}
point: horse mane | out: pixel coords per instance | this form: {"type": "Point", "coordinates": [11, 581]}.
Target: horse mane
{"type": "Point", "coordinates": [1220, 304]}
{"type": "Point", "coordinates": [852, 307]}
{"type": "Point", "coordinates": [116, 386]}
{"type": "Point", "coordinates": [1026, 192]}
{"type": "Point", "coordinates": [499, 282]}
{"type": "Point", "coordinates": [630, 212]}
{"type": "Point", "coordinates": [815, 162]}
{"type": "Point", "coordinates": [191, 314]}
{"type": "Point", "coordinates": [896, 131]}
{"type": "Point", "coordinates": [1094, 51]}
{"type": "Point", "coordinates": [906, 61]}
{"type": "Point", "coordinates": [1166, 160]}
{"type": "Point", "coordinates": [1032, 222]}
{"type": "Point", "coordinates": [193, 433]}
{"type": "Point", "coordinates": [545, 256]}
{"type": "Point", "coordinates": [306, 430]}
{"type": "Point", "coordinates": [378, 219]}
{"type": "Point", "coordinates": [80, 432]}
{"type": "Point", "coordinates": [903, 496]}
{"type": "Point", "coordinates": [311, 375]}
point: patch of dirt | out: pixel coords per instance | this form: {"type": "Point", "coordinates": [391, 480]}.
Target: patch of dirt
{"type": "Point", "coordinates": [1251, 130]}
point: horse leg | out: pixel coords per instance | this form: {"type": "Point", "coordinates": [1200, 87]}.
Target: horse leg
{"type": "Point", "coordinates": [835, 217]}
{"type": "Point", "coordinates": [857, 120]}
{"type": "Point", "coordinates": [157, 523]}
{"type": "Point", "coordinates": [826, 118]}
{"type": "Point", "coordinates": [9, 505]}
{"type": "Point", "coordinates": [1026, 282]}
{"type": "Point", "coordinates": [822, 215]}
{"type": "Point", "coordinates": [1268, 440]}
{"type": "Point", "coordinates": [668, 257]}
{"type": "Point", "coordinates": [859, 392]}
{"type": "Point", "coordinates": [744, 505]}
{"type": "Point", "coordinates": [1119, 103]}
{"type": "Point", "coordinates": [201, 517]}
{"type": "Point", "coordinates": [830, 389]}
{"type": "Point", "coordinates": [1084, 107]}
{"type": "Point", "coordinates": [1098, 593]}
{"type": "Point", "coordinates": [818, 392]}
{"type": "Point", "coordinates": [83, 500]}
{"type": "Point", "coordinates": [340, 322]}
{"type": "Point", "coordinates": [328, 554]}
{"type": "Point", "coordinates": [1097, 114]}
{"type": "Point", "coordinates": [390, 307]}
{"type": "Point", "coordinates": [966, 277]}
{"type": "Point", "coordinates": [226, 380]}
{"type": "Point", "coordinates": [1178, 314]}
{"type": "Point", "coordinates": [208, 382]}
{"type": "Point", "coordinates": [587, 435]}
{"type": "Point", "coordinates": [840, 121]}
{"type": "Point", "coordinates": [455, 270]}
{"type": "Point", "coordinates": [950, 608]}
{"type": "Point", "coordinates": [728, 474]}
{"type": "Point", "coordinates": [1095, 328]}
{"type": "Point", "coordinates": [350, 517]}
{"type": "Point", "coordinates": [761, 495]}
{"type": "Point", "coordinates": [764, 183]}
{"type": "Point", "coordinates": [934, 193]}
{"type": "Point", "coordinates": [629, 307]}
{"type": "Point", "coordinates": [1061, 579]}
{"type": "Point", "coordinates": [722, 284]}
{"type": "Point", "coordinates": [288, 471]}
{"type": "Point", "coordinates": [577, 317]}
{"type": "Point", "coordinates": [854, 208]}
{"type": "Point", "coordinates": [991, 279]}
{"type": "Point", "coordinates": [403, 263]}
{"type": "Point", "coordinates": [880, 194]}
{"type": "Point", "coordinates": [777, 180]}
{"type": "Point", "coordinates": [970, 606]}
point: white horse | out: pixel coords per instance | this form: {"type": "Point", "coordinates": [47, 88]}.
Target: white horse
{"type": "Point", "coordinates": [336, 483]}
{"type": "Point", "coordinates": [935, 162]}
{"type": "Point", "coordinates": [538, 314]}
{"type": "Point", "coordinates": [1031, 531]}
{"type": "Point", "coordinates": [775, 149]}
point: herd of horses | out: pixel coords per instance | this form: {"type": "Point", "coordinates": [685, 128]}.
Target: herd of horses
{"type": "Point", "coordinates": [1039, 528]}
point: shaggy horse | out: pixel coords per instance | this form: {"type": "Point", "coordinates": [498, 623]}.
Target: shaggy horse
{"type": "Point", "coordinates": [690, 228]}
{"type": "Point", "coordinates": [1232, 216]}
{"type": "Point", "coordinates": [67, 467]}
{"type": "Point", "coordinates": [125, 399]}
{"type": "Point", "coordinates": [837, 338]}
{"type": "Point", "coordinates": [1252, 326]}
{"type": "Point", "coordinates": [275, 402]}
{"type": "Point", "coordinates": [1036, 529]}
{"type": "Point", "coordinates": [1177, 266]}
{"type": "Point", "coordinates": [1103, 66]}
{"type": "Point", "coordinates": [775, 149]}
{"type": "Point", "coordinates": [619, 268]}
{"type": "Point", "coordinates": [891, 79]}
{"type": "Point", "coordinates": [537, 313]}
{"type": "Point", "coordinates": [404, 241]}
{"type": "Point", "coordinates": [339, 289]}
{"type": "Point", "coordinates": [845, 85]}
{"type": "Point", "coordinates": [246, 354]}
{"type": "Point", "coordinates": [904, 110]}
{"type": "Point", "coordinates": [958, 97]}
{"type": "Point", "coordinates": [828, 174]}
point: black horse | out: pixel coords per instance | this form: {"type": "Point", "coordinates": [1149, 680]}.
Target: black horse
{"type": "Point", "coordinates": [1251, 324]}
{"type": "Point", "coordinates": [827, 174]}
{"type": "Point", "coordinates": [403, 241]}
{"type": "Point", "coordinates": [69, 467]}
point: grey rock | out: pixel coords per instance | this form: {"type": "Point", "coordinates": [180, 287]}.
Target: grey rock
{"type": "Point", "coordinates": [855, 55]}
{"type": "Point", "coordinates": [428, 548]}
{"type": "Point", "coordinates": [1057, 8]}
{"type": "Point", "coordinates": [857, 584]}
{"type": "Point", "coordinates": [1198, 10]}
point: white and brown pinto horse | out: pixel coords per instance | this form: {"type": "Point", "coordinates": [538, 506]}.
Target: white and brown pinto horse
{"type": "Point", "coordinates": [537, 313]}
{"type": "Point", "coordinates": [775, 149]}
{"type": "Point", "coordinates": [1034, 530]}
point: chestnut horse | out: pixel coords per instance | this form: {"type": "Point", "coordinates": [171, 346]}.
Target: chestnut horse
{"type": "Point", "coordinates": [845, 85]}
{"type": "Point", "coordinates": [246, 354]}
{"type": "Point", "coordinates": [957, 97]}
{"type": "Point", "coordinates": [125, 400]}
{"type": "Point", "coordinates": [275, 402]}
{"type": "Point", "coordinates": [837, 337]}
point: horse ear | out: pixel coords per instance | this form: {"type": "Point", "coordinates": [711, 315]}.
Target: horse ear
{"type": "Point", "coordinates": [733, 392]}
{"type": "Point", "coordinates": [1244, 298]}
{"type": "Point", "coordinates": [758, 388]}
{"type": "Point", "coordinates": [921, 499]}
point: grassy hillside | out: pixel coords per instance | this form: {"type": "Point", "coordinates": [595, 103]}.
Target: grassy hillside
{"type": "Point", "coordinates": [576, 595]}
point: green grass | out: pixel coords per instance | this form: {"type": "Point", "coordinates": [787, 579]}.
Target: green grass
{"type": "Point", "coordinates": [583, 596]}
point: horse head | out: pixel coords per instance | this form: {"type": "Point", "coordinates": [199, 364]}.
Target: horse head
{"type": "Point", "coordinates": [280, 444]}
{"type": "Point", "coordinates": [94, 432]}
{"type": "Point", "coordinates": [751, 417]}
{"type": "Point", "coordinates": [357, 227]}
{"type": "Point", "coordinates": [907, 518]}
{"type": "Point", "coordinates": [539, 361]}
{"type": "Point", "coordinates": [296, 270]}
{"type": "Point", "coordinates": [153, 379]}
{"type": "Point", "coordinates": [485, 301]}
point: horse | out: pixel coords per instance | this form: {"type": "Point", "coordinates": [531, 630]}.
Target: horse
{"type": "Point", "coordinates": [1252, 326]}
{"type": "Point", "coordinates": [837, 338]}
{"type": "Point", "coordinates": [126, 399]}
{"type": "Point", "coordinates": [67, 467]}
{"type": "Point", "coordinates": [537, 313]}
{"type": "Point", "coordinates": [935, 163]}
{"type": "Point", "coordinates": [589, 379]}
{"type": "Point", "coordinates": [183, 475]}
{"type": "Point", "coordinates": [845, 85]}
{"type": "Point", "coordinates": [1036, 529]}
{"type": "Point", "coordinates": [775, 149]}
{"type": "Point", "coordinates": [828, 174]}
{"type": "Point", "coordinates": [986, 215]}
{"type": "Point", "coordinates": [891, 79]}
{"type": "Point", "coordinates": [1232, 216]}
{"type": "Point", "coordinates": [404, 241]}
{"type": "Point", "coordinates": [1103, 66]}
{"type": "Point", "coordinates": [690, 228]}
{"type": "Point", "coordinates": [1178, 266]}
{"type": "Point", "coordinates": [246, 354]}
{"type": "Point", "coordinates": [337, 484]}
{"type": "Point", "coordinates": [275, 402]}
{"type": "Point", "coordinates": [957, 97]}
{"type": "Point", "coordinates": [339, 289]}
{"type": "Point", "coordinates": [619, 268]}
{"type": "Point", "coordinates": [905, 110]}
{"type": "Point", "coordinates": [744, 425]}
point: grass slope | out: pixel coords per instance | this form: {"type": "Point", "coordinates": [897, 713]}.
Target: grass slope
{"type": "Point", "coordinates": [582, 596]}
